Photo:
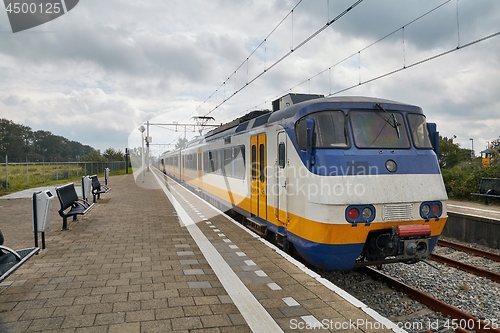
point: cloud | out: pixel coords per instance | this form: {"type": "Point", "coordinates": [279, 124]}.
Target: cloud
{"type": "Point", "coordinates": [88, 115]}
{"type": "Point", "coordinates": [109, 66]}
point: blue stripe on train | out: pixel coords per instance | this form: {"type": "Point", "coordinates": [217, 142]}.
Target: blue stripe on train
{"type": "Point", "coordinates": [330, 257]}
{"type": "Point", "coordinates": [333, 257]}
{"type": "Point", "coordinates": [356, 162]}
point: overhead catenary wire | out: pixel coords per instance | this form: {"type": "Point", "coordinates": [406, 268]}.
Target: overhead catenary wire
{"type": "Point", "coordinates": [457, 48]}
{"type": "Point", "coordinates": [404, 66]}
{"type": "Point", "coordinates": [357, 53]}
{"type": "Point", "coordinates": [245, 62]}
{"type": "Point", "coordinates": [329, 69]}
{"type": "Point", "coordinates": [292, 49]}
{"type": "Point", "coordinates": [421, 61]}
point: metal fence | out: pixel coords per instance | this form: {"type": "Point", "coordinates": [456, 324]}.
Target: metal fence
{"type": "Point", "coordinates": [36, 173]}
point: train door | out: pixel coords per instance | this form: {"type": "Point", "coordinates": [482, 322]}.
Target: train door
{"type": "Point", "coordinates": [281, 174]}
{"type": "Point", "coordinates": [258, 175]}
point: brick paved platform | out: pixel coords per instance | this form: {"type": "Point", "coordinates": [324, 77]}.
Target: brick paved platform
{"type": "Point", "coordinates": [131, 266]}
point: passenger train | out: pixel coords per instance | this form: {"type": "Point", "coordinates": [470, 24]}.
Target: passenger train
{"type": "Point", "coordinates": [344, 182]}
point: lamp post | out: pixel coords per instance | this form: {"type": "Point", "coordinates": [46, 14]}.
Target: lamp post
{"type": "Point", "coordinates": [147, 145]}
{"type": "Point", "coordinates": [142, 129]}
{"type": "Point", "coordinates": [472, 150]}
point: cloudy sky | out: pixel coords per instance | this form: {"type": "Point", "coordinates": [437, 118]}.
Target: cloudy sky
{"type": "Point", "coordinates": [95, 74]}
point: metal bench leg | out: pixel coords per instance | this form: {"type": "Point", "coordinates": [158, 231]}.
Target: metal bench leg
{"type": "Point", "coordinates": [65, 223]}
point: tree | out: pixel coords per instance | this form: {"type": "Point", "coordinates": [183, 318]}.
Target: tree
{"type": "Point", "coordinates": [181, 143]}
{"type": "Point", "coordinates": [92, 157]}
{"type": "Point", "coordinates": [450, 153]}
{"type": "Point", "coordinates": [111, 154]}
{"type": "Point", "coordinates": [19, 143]}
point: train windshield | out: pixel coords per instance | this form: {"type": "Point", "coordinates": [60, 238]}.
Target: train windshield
{"type": "Point", "coordinates": [419, 132]}
{"type": "Point", "coordinates": [329, 129]}
{"type": "Point", "coordinates": [379, 129]}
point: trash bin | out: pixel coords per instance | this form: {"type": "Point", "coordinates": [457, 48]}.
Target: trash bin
{"type": "Point", "coordinates": [86, 187]}
{"type": "Point", "coordinates": [106, 176]}
{"type": "Point", "coordinates": [42, 209]}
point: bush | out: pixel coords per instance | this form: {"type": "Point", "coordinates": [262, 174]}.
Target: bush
{"type": "Point", "coordinates": [463, 179]}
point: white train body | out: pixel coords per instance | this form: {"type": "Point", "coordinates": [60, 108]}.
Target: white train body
{"type": "Point", "coordinates": [343, 181]}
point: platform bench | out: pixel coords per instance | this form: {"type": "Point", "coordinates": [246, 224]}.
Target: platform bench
{"type": "Point", "coordinates": [488, 188]}
{"type": "Point", "coordinates": [70, 204]}
{"type": "Point", "coordinates": [10, 260]}
{"type": "Point", "coordinates": [97, 188]}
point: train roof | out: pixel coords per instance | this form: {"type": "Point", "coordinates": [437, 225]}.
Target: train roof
{"type": "Point", "coordinates": [297, 105]}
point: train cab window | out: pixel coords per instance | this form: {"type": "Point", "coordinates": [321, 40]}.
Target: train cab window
{"type": "Point", "coordinates": [379, 129]}
{"type": "Point", "coordinates": [329, 130]}
{"type": "Point", "coordinates": [419, 131]}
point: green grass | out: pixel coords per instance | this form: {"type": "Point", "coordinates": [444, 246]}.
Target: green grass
{"type": "Point", "coordinates": [43, 175]}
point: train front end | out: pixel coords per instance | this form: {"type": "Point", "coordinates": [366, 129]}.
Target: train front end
{"type": "Point", "coordinates": [367, 187]}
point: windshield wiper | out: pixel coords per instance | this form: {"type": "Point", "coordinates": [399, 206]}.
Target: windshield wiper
{"type": "Point", "coordinates": [394, 124]}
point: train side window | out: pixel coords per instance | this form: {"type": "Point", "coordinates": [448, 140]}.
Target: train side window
{"type": "Point", "coordinates": [218, 162]}
{"type": "Point", "coordinates": [254, 162]}
{"type": "Point", "coordinates": [205, 162]}
{"type": "Point", "coordinates": [228, 158]}
{"type": "Point", "coordinates": [281, 155]}
{"type": "Point", "coordinates": [212, 161]}
{"type": "Point", "coordinates": [239, 162]}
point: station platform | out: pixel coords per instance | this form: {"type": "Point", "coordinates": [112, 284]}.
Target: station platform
{"type": "Point", "coordinates": [474, 208]}
{"type": "Point", "coordinates": [152, 257]}
{"type": "Point", "coordinates": [473, 222]}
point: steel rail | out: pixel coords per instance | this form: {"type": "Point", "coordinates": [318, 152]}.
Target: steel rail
{"type": "Point", "coordinates": [466, 267]}
{"type": "Point", "coordinates": [468, 249]}
{"type": "Point", "coordinates": [460, 316]}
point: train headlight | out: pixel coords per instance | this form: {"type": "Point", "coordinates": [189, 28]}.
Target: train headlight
{"type": "Point", "coordinates": [426, 209]}
{"type": "Point", "coordinates": [391, 166]}
{"type": "Point", "coordinates": [366, 213]}
{"type": "Point", "coordinates": [360, 214]}
{"type": "Point", "coordinates": [431, 209]}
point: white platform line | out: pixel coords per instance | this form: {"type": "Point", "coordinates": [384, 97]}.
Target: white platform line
{"type": "Point", "coordinates": [472, 208]}
{"type": "Point", "coordinates": [256, 316]}
{"type": "Point", "coordinates": [328, 284]}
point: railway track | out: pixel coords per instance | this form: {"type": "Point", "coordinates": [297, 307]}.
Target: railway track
{"type": "Point", "coordinates": [439, 299]}
{"type": "Point", "coordinates": [464, 266]}
{"type": "Point", "coordinates": [411, 302]}
{"type": "Point", "coordinates": [460, 320]}
{"type": "Point", "coordinates": [468, 249]}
